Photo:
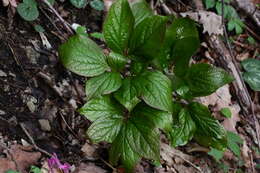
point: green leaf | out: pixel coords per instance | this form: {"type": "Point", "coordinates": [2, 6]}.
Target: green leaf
{"type": "Point", "coordinates": [39, 28]}
{"type": "Point", "coordinates": [148, 37]}
{"type": "Point", "coordinates": [128, 94]}
{"type": "Point", "coordinates": [209, 131]}
{"type": "Point", "coordinates": [97, 5]}
{"type": "Point", "coordinates": [105, 128]}
{"type": "Point", "coordinates": [100, 107]}
{"type": "Point", "coordinates": [232, 141]}
{"type": "Point", "coordinates": [251, 40]}
{"type": "Point", "coordinates": [97, 35]}
{"type": "Point", "coordinates": [28, 10]}
{"type": "Point", "coordinates": [210, 3]}
{"type": "Point", "coordinates": [11, 171]}
{"type": "Point", "coordinates": [183, 130]}
{"type": "Point", "coordinates": [204, 79]}
{"type": "Point", "coordinates": [82, 56]}
{"type": "Point", "coordinates": [184, 43]}
{"type": "Point", "coordinates": [137, 138]}
{"type": "Point", "coordinates": [137, 67]}
{"type": "Point", "coordinates": [251, 65]}
{"type": "Point", "coordinates": [106, 83]}
{"type": "Point", "coordinates": [231, 25]}
{"type": "Point", "coordinates": [79, 3]}
{"type": "Point", "coordinates": [253, 80]}
{"type": "Point", "coordinates": [141, 10]}
{"type": "Point", "coordinates": [122, 150]}
{"type": "Point", "coordinates": [116, 61]}
{"type": "Point", "coordinates": [219, 9]}
{"type": "Point", "coordinates": [160, 119]}
{"type": "Point", "coordinates": [156, 90]}
{"type": "Point", "coordinates": [118, 26]}
{"type": "Point", "coordinates": [217, 154]}
{"type": "Point", "coordinates": [51, 2]}
{"type": "Point", "coordinates": [35, 169]}
{"type": "Point", "coordinates": [252, 74]}
{"type": "Point", "coordinates": [226, 112]}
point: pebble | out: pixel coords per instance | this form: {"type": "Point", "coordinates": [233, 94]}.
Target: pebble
{"type": "Point", "coordinates": [45, 125]}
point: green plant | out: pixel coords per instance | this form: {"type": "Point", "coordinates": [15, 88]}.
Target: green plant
{"type": "Point", "coordinates": [252, 74]}
{"type": "Point", "coordinates": [129, 91]}
{"type": "Point", "coordinates": [28, 9]}
{"type": "Point", "coordinates": [233, 20]}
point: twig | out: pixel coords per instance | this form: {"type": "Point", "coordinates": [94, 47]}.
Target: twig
{"type": "Point", "coordinates": [32, 141]}
{"type": "Point", "coordinates": [108, 164]}
{"type": "Point", "coordinates": [67, 26]}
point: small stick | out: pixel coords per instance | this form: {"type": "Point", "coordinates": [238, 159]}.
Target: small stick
{"type": "Point", "coordinates": [67, 26]}
{"type": "Point", "coordinates": [32, 141]}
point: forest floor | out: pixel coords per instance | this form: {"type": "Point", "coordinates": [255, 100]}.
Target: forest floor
{"type": "Point", "coordinates": [39, 98]}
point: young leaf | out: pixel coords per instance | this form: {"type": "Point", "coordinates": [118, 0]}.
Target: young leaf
{"type": "Point", "coordinates": [184, 43]}
{"type": "Point", "coordinates": [204, 79]}
{"type": "Point", "coordinates": [232, 141]}
{"type": "Point", "coordinates": [252, 74]}
{"type": "Point", "coordinates": [209, 131]}
{"type": "Point", "coordinates": [128, 94]}
{"type": "Point", "coordinates": [226, 112]}
{"type": "Point", "coordinates": [97, 4]}
{"type": "Point", "coordinates": [217, 154]}
{"type": "Point", "coordinates": [100, 107]}
{"type": "Point", "coordinates": [156, 90]}
{"type": "Point", "coordinates": [160, 119]}
{"type": "Point", "coordinates": [116, 61]}
{"type": "Point", "coordinates": [148, 37]}
{"type": "Point", "coordinates": [141, 10]}
{"type": "Point", "coordinates": [106, 83]}
{"type": "Point", "coordinates": [82, 56]}
{"type": "Point", "coordinates": [79, 3]}
{"type": "Point", "coordinates": [183, 130]}
{"type": "Point", "coordinates": [118, 26]}
{"type": "Point", "coordinates": [28, 10]}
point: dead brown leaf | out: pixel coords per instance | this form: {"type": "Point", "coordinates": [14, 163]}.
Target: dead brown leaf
{"type": "Point", "coordinates": [89, 168]}
{"type": "Point", "coordinates": [6, 165]}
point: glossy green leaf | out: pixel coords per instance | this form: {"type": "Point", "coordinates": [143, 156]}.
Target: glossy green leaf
{"type": "Point", "coordinates": [35, 169]}
{"type": "Point", "coordinates": [217, 154]}
{"type": "Point", "coordinates": [160, 119]}
{"type": "Point", "coordinates": [183, 130]}
{"type": "Point", "coordinates": [82, 56]}
{"type": "Point", "coordinates": [137, 138]}
{"type": "Point", "coordinates": [97, 5]}
{"type": "Point", "coordinates": [28, 10]}
{"type": "Point", "coordinates": [116, 61]}
{"type": "Point", "coordinates": [184, 43]}
{"type": "Point", "coordinates": [232, 141]}
{"type": "Point", "coordinates": [141, 10]}
{"type": "Point", "coordinates": [128, 94]}
{"type": "Point", "coordinates": [209, 131]}
{"type": "Point", "coordinates": [118, 26]}
{"type": "Point", "coordinates": [106, 83]}
{"type": "Point", "coordinates": [252, 74]}
{"type": "Point", "coordinates": [148, 37]}
{"type": "Point", "coordinates": [105, 128]}
{"type": "Point", "coordinates": [97, 35]}
{"type": "Point", "coordinates": [156, 90]}
{"type": "Point", "coordinates": [100, 107]}
{"type": "Point", "coordinates": [137, 67]}
{"type": "Point", "coordinates": [204, 79]}
{"type": "Point", "coordinates": [79, 3]}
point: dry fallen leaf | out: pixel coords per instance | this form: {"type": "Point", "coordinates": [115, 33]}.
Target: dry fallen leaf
{"type": "Point", "coordinates": [89, 168]}
{"type": "Point", "coordinates": [211, 21]}
{"type": "Point", "coordinates": [20, 156]}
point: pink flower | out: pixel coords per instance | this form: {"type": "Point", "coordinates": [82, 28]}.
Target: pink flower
{"type": "Point", "coordinates": [54, 162]}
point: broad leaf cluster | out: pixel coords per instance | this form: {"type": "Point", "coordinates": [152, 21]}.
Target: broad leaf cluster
{"type": "Point", "coordinates": [130, 90]}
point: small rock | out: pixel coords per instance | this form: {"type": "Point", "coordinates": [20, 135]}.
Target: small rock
{"type": "Point", "coordinates": [89, 150]}
{"type": "Point", "coordinates": [45, 125]}
{"type": "Point", "coordinates": [2, 74]}
{"type": "Point", "coordinates": [32, 55]}
{"type": "Point", "coordinates": [2, 112]}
